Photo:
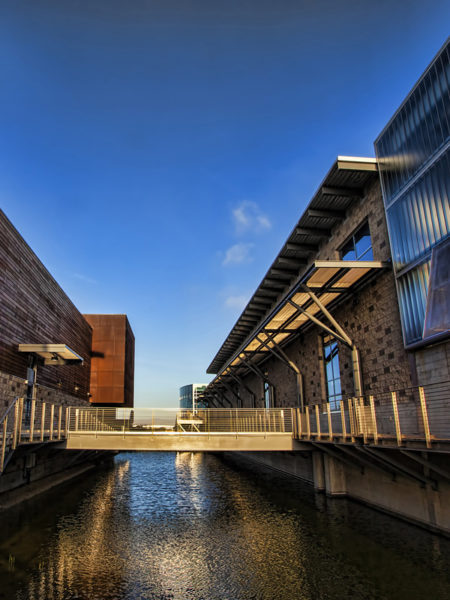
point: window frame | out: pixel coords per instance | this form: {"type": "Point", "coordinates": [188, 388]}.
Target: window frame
{"type": "Point", "coordinates": [352, 241]}
{"type": "Point", "coordinates": [334, 399]}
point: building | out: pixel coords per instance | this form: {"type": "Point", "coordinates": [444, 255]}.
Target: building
{"type": "Point", "coordinates": [112, 360]}
{"type": "Point", "coordinates": [356, 305]}
{"type": "Point", "coordinates": [51, 355]}
{"type": "Point", "coordinates": [413, 153]}
{"type": "Point", "coordinates": [191, 396]}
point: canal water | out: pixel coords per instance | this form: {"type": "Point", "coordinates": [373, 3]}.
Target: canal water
{"type": "Point", "coordinates": [166, 526]}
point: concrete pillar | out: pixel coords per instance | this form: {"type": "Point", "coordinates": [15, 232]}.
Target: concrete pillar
{"type": "Point", "coordinates": [334, 477]}
{"type": "Point", "coordinates": [318, 471]}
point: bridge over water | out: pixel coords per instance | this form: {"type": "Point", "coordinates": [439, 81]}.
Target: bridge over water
{"type": "Point", "coordinates": [411, 421]}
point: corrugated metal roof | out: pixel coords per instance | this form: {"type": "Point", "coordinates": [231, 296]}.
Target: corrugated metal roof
{"type": "Point", "coordinates": [343, 184]}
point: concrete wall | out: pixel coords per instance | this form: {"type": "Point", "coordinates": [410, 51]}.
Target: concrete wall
{"type": "Point", "coordinates": [422, 504]}
{"type": "Point", "coordinates": [33, 470]}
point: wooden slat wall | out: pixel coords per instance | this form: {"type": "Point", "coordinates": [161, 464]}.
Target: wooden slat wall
{"type": "Point", "coordinates": [34, 309]}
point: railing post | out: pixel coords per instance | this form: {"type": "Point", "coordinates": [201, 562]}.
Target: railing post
{"type": "Point", "coordinates": [52, 418]}
{"type": "Point", "coordinates": [67, 423]}
{"type": "Point", "coordinates": [344, 428]}
{"type": "Point", "coordinates": [308, 423]}
{"type": "Point", "coordinates": [351, 417]}
{"type": "Point", "coordinates": [299, 423]}
{"type": "Point", "coordinates": [330, 425]}
{"type": "Point", "coordinates": [33, 413]}
{"type": "Point", "coordinates": [77, 418]}
{"type": "Point", "coordinates": [396, 418]}
{"type": "Point", "coordinates": [362, 417]}
{"type": "Point", "coordinates": [19, 423]}
{"type": "Point", "coordinates": [374, 419]}
{"type": "Point", "coordinates": [59, 421]}
{"type": "Point", "coordinates": [319, 435]}
{"type": "Point", "coordinates": [423, 408]}
{"type": "Point", "coordinates": [16, 424]}
{"type": "Point", "coordinates": [42, 421]}
{"type": "Point", "coordinates": [3, 452]}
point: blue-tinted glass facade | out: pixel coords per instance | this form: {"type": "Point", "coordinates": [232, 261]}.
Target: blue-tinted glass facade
{"type": "Point", "coordinates": [413, 155]}
{"type": "Point", "coordinates": [191, 396]}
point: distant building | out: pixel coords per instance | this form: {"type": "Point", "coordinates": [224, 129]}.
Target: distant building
{"type": "Point", "coordinates": [191, 396]}
{"type": "Point", "coordinates": [112, 360]}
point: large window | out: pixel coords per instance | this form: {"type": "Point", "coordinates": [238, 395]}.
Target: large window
{"type": "Point", "coordinates": [268, 395]}
{"type": "Point", "coordinates": [332, 374]}
{"type": "Point", "coordinates": [359, 246]}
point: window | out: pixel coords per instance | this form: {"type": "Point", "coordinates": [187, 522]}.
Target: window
{"type": "Point", "coordinates": [332, 374]}
{"type": "Point", "coordinates": [359, 246]}
{"type": "Point", "coordinates": [268, 395]}
{"type": "Point", "coordinates": [437, 316]}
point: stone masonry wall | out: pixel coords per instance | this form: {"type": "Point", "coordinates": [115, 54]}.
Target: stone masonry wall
{"type": "Point", "coordinates": [370, 317]}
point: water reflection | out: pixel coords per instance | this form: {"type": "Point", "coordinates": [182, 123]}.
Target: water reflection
{"type": "Point", "coordinates": [189, 527]}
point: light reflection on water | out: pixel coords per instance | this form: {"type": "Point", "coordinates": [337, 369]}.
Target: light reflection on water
{"type": "Point", "coordinates": [189, 527]}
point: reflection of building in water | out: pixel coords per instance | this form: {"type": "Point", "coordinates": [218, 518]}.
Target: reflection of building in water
{"type": "Point", "coordinates": [191, 396]}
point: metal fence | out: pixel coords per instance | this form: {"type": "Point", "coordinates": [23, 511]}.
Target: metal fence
{"type": "Point", "coordinates": [414, 414]}
{"type": "Point", "coordinates": [170, 421]}
{"type": "Point", "coordinates": [29, 422]}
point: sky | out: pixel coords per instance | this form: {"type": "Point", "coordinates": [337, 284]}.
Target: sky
{"type": "Point", "coordinates": [155, 154]}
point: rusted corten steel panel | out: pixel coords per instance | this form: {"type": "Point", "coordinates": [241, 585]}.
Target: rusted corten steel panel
{"type": "Point", "coordinates": [112, 360]}
{"type": "Point", "coordinates": [34, 309]}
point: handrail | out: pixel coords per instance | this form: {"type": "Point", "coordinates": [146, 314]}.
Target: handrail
{"type": "Point", "coordinates": [9, 408]}
{"type": "Point", "coordinates": [39, 422]}
{"type": "Point", "coordinates": [396, 418]}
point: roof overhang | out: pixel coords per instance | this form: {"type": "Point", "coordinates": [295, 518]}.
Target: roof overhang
{"type": "Point", "coordinates": [325, 284]}
{"type": "Point", "coordinates": [344, 184]}
{"type": "Point", "coordinates": [53, 354]}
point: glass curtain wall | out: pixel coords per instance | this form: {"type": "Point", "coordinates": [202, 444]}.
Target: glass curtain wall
{"type": "Point", "coordinates": [414, 163]}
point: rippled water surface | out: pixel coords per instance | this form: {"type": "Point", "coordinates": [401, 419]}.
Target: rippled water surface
{"type": "Point", "coordinates": [191, 527]}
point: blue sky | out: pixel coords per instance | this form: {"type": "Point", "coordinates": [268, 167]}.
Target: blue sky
{"type": "Point", "coordinates": [156, 154]}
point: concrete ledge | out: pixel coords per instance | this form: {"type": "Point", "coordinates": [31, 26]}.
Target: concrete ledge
{"type": "Point", "coordinates": [189, 442]}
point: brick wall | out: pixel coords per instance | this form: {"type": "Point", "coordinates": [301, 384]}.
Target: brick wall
{"type": "Point", "coordinates": [34, 309]}
{"type": "Point", "coordinates": [370, 317]}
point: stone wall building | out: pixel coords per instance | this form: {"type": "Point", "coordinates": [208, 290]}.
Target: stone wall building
{"type": "Point", "coordinates": [355, 312]}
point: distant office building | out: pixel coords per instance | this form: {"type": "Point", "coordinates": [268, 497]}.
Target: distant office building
{"type": "Point", "coordinates": [191, 396]}
{"type": "Point", "coordinates": [414, 165]}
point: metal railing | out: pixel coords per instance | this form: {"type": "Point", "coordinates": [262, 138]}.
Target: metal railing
{"type": "Point", "coordinates": [414, 414]}
{"type": "Point", "coordinates": [179, 421]}
{"type": "Point", "coordinates": [30, 422]}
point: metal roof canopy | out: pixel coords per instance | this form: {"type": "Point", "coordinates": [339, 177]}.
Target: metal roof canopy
{"type": "Point", "coordinates": [343, 184]}
{"type": "Point", "coordinates": [322, 285]}
{"type": "Point", "coordinates": [53, 354]}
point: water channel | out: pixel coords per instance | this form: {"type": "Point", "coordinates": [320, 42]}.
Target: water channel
{"type": "Point", "coordinates": [166, 526]}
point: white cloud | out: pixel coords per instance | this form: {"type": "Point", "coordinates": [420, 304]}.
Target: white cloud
{"type": "Point", "coordinates": [237, 254]}
{"type": "Point", "coordinates": [248, 217]}
{"type": "Point", "coordinates": [83, 278]}
{"type": "Point", "coordinates": [236, 302]}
